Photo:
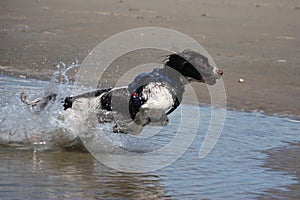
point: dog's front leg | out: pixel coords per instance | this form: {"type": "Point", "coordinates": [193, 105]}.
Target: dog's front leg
{"type": "Point", "coordinates": [155, 117]}
{"type": "Point", "coordinates": [143, 118]}
{"type": "Point", "coordinates": [132, 129]}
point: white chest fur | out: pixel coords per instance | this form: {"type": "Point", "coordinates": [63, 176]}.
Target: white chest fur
{"type": "Point", "coordinates": [157, 97]}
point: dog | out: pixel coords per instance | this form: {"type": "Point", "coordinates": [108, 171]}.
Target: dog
{"type": "Point", "coordinates": [148, 99]}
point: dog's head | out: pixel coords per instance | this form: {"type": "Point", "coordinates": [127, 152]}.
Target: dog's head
{"type": "Point", "coordinates": [194, 67]}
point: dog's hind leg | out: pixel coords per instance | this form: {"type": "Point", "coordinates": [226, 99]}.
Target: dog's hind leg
{"type": "Point", "coordinates": [24, 99]}
{"type": "Point", "coordinates": [40, 102]}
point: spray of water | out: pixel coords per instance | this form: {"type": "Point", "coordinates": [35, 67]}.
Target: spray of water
{"type": "Point", "coordinates": [26, 127]}
{"type": "Point", "coordinates": [50, 128]}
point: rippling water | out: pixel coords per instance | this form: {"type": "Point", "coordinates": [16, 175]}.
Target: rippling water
{"type": "Point", "coordinates": [31, 169]}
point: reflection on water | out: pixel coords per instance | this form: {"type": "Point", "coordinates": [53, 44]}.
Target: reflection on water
{"type": "Point", "coordinates": [69, 175]}
{"type": "Point", "coordinates": [234, 169]}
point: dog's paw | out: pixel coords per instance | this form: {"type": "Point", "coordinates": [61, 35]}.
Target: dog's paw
{"type": "Point", "coordinates": [153, 117]}
{"type": "Point", "coordinates": [132, 129]}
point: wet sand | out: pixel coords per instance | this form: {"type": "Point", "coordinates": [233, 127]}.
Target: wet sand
{"type": "Point", "coordinates": [285, 160]}
{"type": "Point", "coordinates": [258, 42]}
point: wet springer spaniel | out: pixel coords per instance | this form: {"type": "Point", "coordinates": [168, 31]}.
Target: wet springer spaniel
{"type": "Point", "coordinates": [148, 99]}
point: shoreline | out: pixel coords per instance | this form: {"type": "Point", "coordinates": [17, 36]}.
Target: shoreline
{"type": "Point", "coordinates": [231, 106]}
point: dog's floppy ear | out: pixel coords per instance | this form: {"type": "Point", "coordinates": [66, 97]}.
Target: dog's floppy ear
{"type": "Point", "coordinates": [175, 61]}
{"type": "Point", "coordinates": [184, 67]}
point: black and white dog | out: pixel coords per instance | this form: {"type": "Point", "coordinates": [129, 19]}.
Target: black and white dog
{"type": "Point", "coordinates": [148, 99]}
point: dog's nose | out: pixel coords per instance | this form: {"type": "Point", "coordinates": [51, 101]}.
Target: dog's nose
{"type": "Point", "coordinates": [220, 72]}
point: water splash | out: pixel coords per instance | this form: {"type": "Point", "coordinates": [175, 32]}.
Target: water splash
{"type": "Point", "coordinates": [20, 125]}
{"type": "Point", "coordinates": [26, 127]}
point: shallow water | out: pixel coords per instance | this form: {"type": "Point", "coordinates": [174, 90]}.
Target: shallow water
{"type": "Point", "coordinates": [35, 165]}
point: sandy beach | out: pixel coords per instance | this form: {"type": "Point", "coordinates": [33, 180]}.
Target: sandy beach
{"type": "Point", "coordinates": [255, 41]}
